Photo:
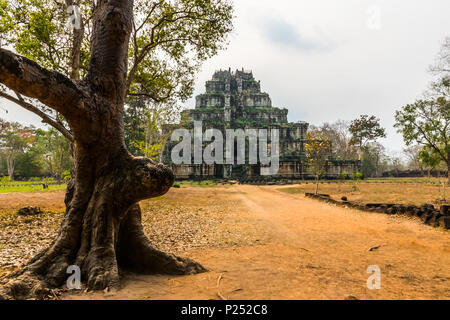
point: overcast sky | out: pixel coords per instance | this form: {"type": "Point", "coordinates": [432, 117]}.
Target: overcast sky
{"type": "Point", "coordinates": [326, 60]}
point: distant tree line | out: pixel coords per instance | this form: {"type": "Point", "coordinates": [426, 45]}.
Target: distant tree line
{"type": "Point", "coordinates": [26, 152]}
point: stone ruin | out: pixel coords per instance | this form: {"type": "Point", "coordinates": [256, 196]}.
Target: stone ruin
{"type": "Point", "coordinates": [234, 100]}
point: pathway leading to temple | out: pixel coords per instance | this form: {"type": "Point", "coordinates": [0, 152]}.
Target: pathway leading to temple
{"type": "Point", "coordinates": [313, 251]}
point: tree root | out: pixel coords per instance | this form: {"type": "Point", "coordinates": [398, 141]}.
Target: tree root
{"type": "Point", "coordinates": [99, 264]}
{"type": "Point", "coordinates": [136, 253]}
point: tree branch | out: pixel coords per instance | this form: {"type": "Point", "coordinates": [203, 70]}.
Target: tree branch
{"type": "Point", "coordinates": [49, 87]}
{"type": "Point", "coordinates": [45, 118]}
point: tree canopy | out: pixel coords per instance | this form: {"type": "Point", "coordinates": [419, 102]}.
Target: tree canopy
{"type": "Point", "coordinates": [366, 129]}
{"type": "Point", "coordinates": [169, 41]}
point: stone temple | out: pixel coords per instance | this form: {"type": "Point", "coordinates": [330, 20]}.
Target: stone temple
{"type": "Point", "coordinates": [234, 100]}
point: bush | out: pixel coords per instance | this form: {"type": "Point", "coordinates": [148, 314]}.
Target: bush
{"type": "Point", "coordinates": [4, 180]}
{"type": "Point", "coordinates": [66, 176]}
{"type": "Point", "coordinates": [357, 176]}
{"type": "Point", "coordinates": [176, 185]}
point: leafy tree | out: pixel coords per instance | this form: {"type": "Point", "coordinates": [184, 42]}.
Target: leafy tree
{"type": "Point", "coordinates": [119, 48]}
{"type": "Point", "coordinates": [318, 150]}
{"type": "Point", "coordinates": [29, 164]}
{"type": "Point", "coordinates": [14, 140]}
{"type": "Point", "coordinates": [365, 129]}
{"type": "Point", "coordinates": [372, 156]}
{"type": "Point", "coordinates": [54, 149]}
{"type": "Point", "coordinates": [427, 122]}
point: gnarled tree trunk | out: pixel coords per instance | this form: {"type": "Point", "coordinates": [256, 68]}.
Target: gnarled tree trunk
{"type": "Point", "coordinates": [101, 231]}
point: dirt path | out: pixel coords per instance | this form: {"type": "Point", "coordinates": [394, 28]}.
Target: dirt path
{"type": "Point", "coordinates": [314, 251]}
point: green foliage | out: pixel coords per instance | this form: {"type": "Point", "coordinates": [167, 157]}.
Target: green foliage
{"type": "Point", "coordinates": [145, 126]}
{"type": "Point", "coordinates": [358, 176]}
{"type": "Point", "coordinates": [28, 188]}
{"type": "Point", "coordinates": [29, 152]}
{"type": "Point", "coordinates": [427, 122]}
{"type": "Point", "coordinates": [54, 150]}
{"type": "Point", "coordinates": [29, 164]}
{"type": "Point", "coordinates": [66, 176]}
{"type": "Point", "coordinates": [365, 129]}
{"type": "Point", "coordinates": [429, 157]}
{"type": "Point", "coordinates": [4, 180]}
{"type": "Point", "coordinates": [371, 160]}
{"type": "Point", "coordinates": [15, 139]}
{"type": "Point", "coordinates": [169, 41]}
{"type": "Point", "coordinates": [343, 176]}
{"type": "Point", "coordinates": [38, 30]}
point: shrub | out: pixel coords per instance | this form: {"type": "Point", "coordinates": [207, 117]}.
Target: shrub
{"type": "Point", "coordinates": [66, 176]}
{"type": "Point", "coordinates": [4, 180]}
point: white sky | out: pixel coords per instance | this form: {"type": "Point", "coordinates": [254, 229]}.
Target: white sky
{"type": "Point", "coordinates": [326, 60]}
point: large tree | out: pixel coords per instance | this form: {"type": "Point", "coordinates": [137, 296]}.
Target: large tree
{"type": "Point", "coordinates": [119, 48]}
{"type": "Point", "coordinates": [427, 122]}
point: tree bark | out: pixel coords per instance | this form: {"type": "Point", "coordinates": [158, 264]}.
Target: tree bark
{"type": "Point", "coordinates": [101, 231]}
{"type": "Point", "coordinates": [317, 184]}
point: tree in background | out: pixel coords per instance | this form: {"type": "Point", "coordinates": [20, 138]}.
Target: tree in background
{"type": "Point", "coordinates": [339, 136]}
{"type": "Point", "coordinates": [395, 163]}
{"type": "Point", "coordinates": [14, 140]}
{"type": "Point", "coordinates": [427, 122]}
{"type": "Point", "coordinates": [413, 155]}
{"type": "Point", "coordinates": [372, 157]}
{"type": "Point", "coordinates": [55, 152]}
{"type": "Point", "coordinates": [318, 151]}
{"type": "Point", "coordinates": [84, 75]}
{"type": "Point", "coordinates": [365, 129]}
{"type": "Point", "coordinates": [145, 123]}
{"type": "Point", "coordinates": [430, 159]}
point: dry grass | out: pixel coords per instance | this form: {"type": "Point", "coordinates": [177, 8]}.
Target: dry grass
{"type": "Point", "coordinates": [198, 218]}
{"type": "Point", "coordinates": [378, 192]}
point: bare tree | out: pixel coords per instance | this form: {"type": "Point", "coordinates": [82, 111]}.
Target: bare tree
{"type": "Point", "coordinates": [412, 153]}
{"type": "Point", "coordinates": [441, 66]}
{"type": "Point", "coordinates": [339, 135]}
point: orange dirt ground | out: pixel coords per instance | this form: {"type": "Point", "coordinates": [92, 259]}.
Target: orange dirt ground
{"type": "Point", "coordinates": [308, 250]}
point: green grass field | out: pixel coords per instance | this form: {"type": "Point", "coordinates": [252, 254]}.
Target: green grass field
{"type": "Point", "coordinates": [28, 187]}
